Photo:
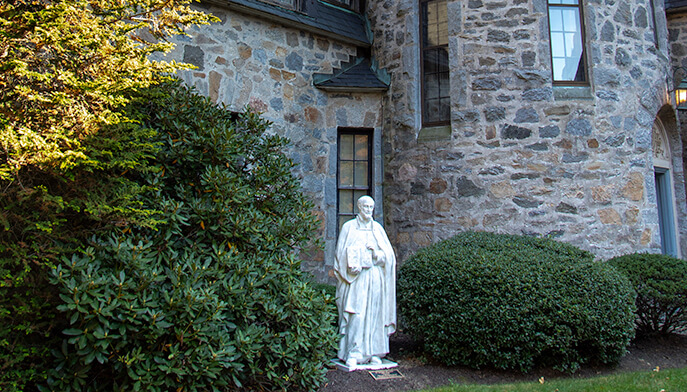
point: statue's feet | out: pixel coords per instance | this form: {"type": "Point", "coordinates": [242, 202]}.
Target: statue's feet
{"type": "Point", "coordinates": [375, 360]}
{"type": "Point", "coordinates": [351, 363]}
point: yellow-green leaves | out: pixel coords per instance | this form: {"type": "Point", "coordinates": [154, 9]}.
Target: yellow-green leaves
{"type": "Point", "coordinates": [65, 70]}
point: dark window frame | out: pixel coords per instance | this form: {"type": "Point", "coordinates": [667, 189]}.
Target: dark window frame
{"type": "Point", "coordinates": [583, 56]}
{"type": "Point", "coordinates": [355, 6]}
{"type": "Point", "coordinates": [423, 49]}
{"type": "Point", "coordinates": [666, 214]}
{"type": "Point", "coordinates": [369, 190]}
{"type": "Point", "coordinates": [654, 22]}
{"type": "Point", "coordinates": [295, 5]}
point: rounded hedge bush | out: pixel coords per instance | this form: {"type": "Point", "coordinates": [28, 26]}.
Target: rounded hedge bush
{"type": "Point", "coordinates": [515, 302]}
{"type": "Point", "coordinates": [661, 285]}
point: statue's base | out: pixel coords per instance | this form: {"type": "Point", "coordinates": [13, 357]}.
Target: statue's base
{"type": "Point", "coordinates": [386, 364]}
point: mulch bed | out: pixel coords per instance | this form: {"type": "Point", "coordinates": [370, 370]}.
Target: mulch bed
{"type": "Point", "coordinates": [420, 372]}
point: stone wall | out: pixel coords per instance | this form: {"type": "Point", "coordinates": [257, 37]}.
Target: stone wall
{"type": "Point", "coordinates": [244, 60]}
{"type": "Point", "coordinates": [523, 156]}
{"type": "Point", "coordinates": [677, 38]}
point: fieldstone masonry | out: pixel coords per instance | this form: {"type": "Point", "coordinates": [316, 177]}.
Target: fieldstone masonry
{"type": "Point", "coordinates": [524, 156]}
{"type": "Point", "coordinates": [521, 154]}
{"type": "Point", "coordinates": [677, 38]}
{"type": "Point", "coordinates": [245, 60]}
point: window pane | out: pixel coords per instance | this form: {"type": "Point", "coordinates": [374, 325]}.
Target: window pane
{"type": "Point", "coordinates": [432, 31]}
{"type": "Point", "coordinates": [572, 44]}
{"type": "Point", "coordinates": [346, 146]}
{"type": "Point", "coordinates": [345, 201]}
{"type": "Point", "coordinates": [436, 78]}
{"type": "Point", "coordinates": [346, 174]}
{"type": "Point", "coordinates": [431, 86]}
{"type": "Point", "coordinates": [352, 4]}
{"type": "Point", "coordinates": [430, 61]}
{"type": "Point", "coordinates": [433, 110]}
{"type": "Point", "coordinates": [444, 84]}
{"type": "Point", "coordinates": [581, 74]}
{"type": "Point", "coordinates": [445, 108]}
{"type": "Point", "coordinates": [567, 2]}
{"type": "Point", "coordinates": [571, 20]}
{"type": "Point", "coordinates": [285, 3]}
{"type": "Point", "coordinates": [431, 23]}
{"type": "Point", "coordinates": [443, 59]}
{"type": "Point", "coordinates": [557, 45]}
{"type": "Point", "coordinates": [434, 23]}
{"type": "Point", "coordinates": [438, 109]}
{"type": "Point", "coordinates": [435, 65]}
{"type": "Point", "coordinates": [361, 147]}
{"type": "Point", "coordinates": [555, 19]}
{"type": "Point", "coordinates": [361, 174]}
{"type": "Point", "coordinates": [558, 66]}
{"type": "Point", "coordinates": [442, 29]}
{"type": "Point", "coordinates": [567, 49]}
{"type": "Point", "coordinates": [354, 173]}
{"type": "Point", "coordinates": [435, 60]}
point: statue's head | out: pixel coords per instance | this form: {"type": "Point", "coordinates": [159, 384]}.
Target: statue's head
{"type": "Point", "coordinates": [366, 206]}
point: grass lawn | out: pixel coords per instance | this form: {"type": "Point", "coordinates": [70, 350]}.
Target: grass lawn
{"type": "Point", "coordinates": [672, 380]}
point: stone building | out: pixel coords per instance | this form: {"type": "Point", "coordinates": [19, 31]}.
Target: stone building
{"type": "Point", "coordinates": [539, 117]}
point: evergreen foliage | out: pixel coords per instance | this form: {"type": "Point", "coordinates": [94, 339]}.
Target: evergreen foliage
{"type": "Point", "coordinates": [661, 285]}
{"type": "Point", "coordinates": [514, 302]}
{"type": "Point", "coordinates": [212, 297]}
{"type": "Point", "coordinates": [67, 68]}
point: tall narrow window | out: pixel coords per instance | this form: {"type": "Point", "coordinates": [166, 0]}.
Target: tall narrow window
{"type": "Point", "coordinates": [354, 171]}
{"type": "Point", "coordinates": [435, 69]}
{"type": "Point", "coordinates": [666, 219]}
{"type": "Point", "coordinates": [665, 201]}
{"type": "Point", "coordinates": [654, 21]}
{"type": "Point", "coordinates": [568, 58]}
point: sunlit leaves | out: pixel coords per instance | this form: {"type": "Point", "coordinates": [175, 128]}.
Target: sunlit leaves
{"type": "Point", "coordinates": [65, 68]}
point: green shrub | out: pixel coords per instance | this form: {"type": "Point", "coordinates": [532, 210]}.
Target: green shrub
{"type": "Point", "coordinates": [661, 285]}
{"type": "Point", "coordinates": [211, 298]}
{"type": "Point", "coordinates": [326, 288]}
{"type": "Point", "coordinates": [515, 303]}
{"type": "Point", "coordinates": [66, 69]}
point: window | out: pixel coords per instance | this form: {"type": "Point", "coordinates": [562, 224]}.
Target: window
{"type": "Point", "coordinates": [568, 58]}
{"type": "Point", "coordinates": [289, 4]}
{"type": "Point", "coordinates": [435, 70]}
{"type": "Point", "coordinates": [355, 5]}
{"type": "Point", "coordinates": [654, 21]}
{"type": "Point", "coordinates": [666, 219]}
{"type": "Point", "coordinates": [354, 171]}
{"type": "Point", "coordinates": [665, 201]}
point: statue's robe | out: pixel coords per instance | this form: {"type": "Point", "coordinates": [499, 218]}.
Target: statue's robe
{"type": "Point", "coordinates": [366, 300]}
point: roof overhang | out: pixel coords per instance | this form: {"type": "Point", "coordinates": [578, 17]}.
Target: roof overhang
{"type": "Point", "coordinates": [288, 17]}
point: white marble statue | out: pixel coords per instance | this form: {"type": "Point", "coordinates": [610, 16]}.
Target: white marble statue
{"type": "Point", "coordinates": [366, 289]}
